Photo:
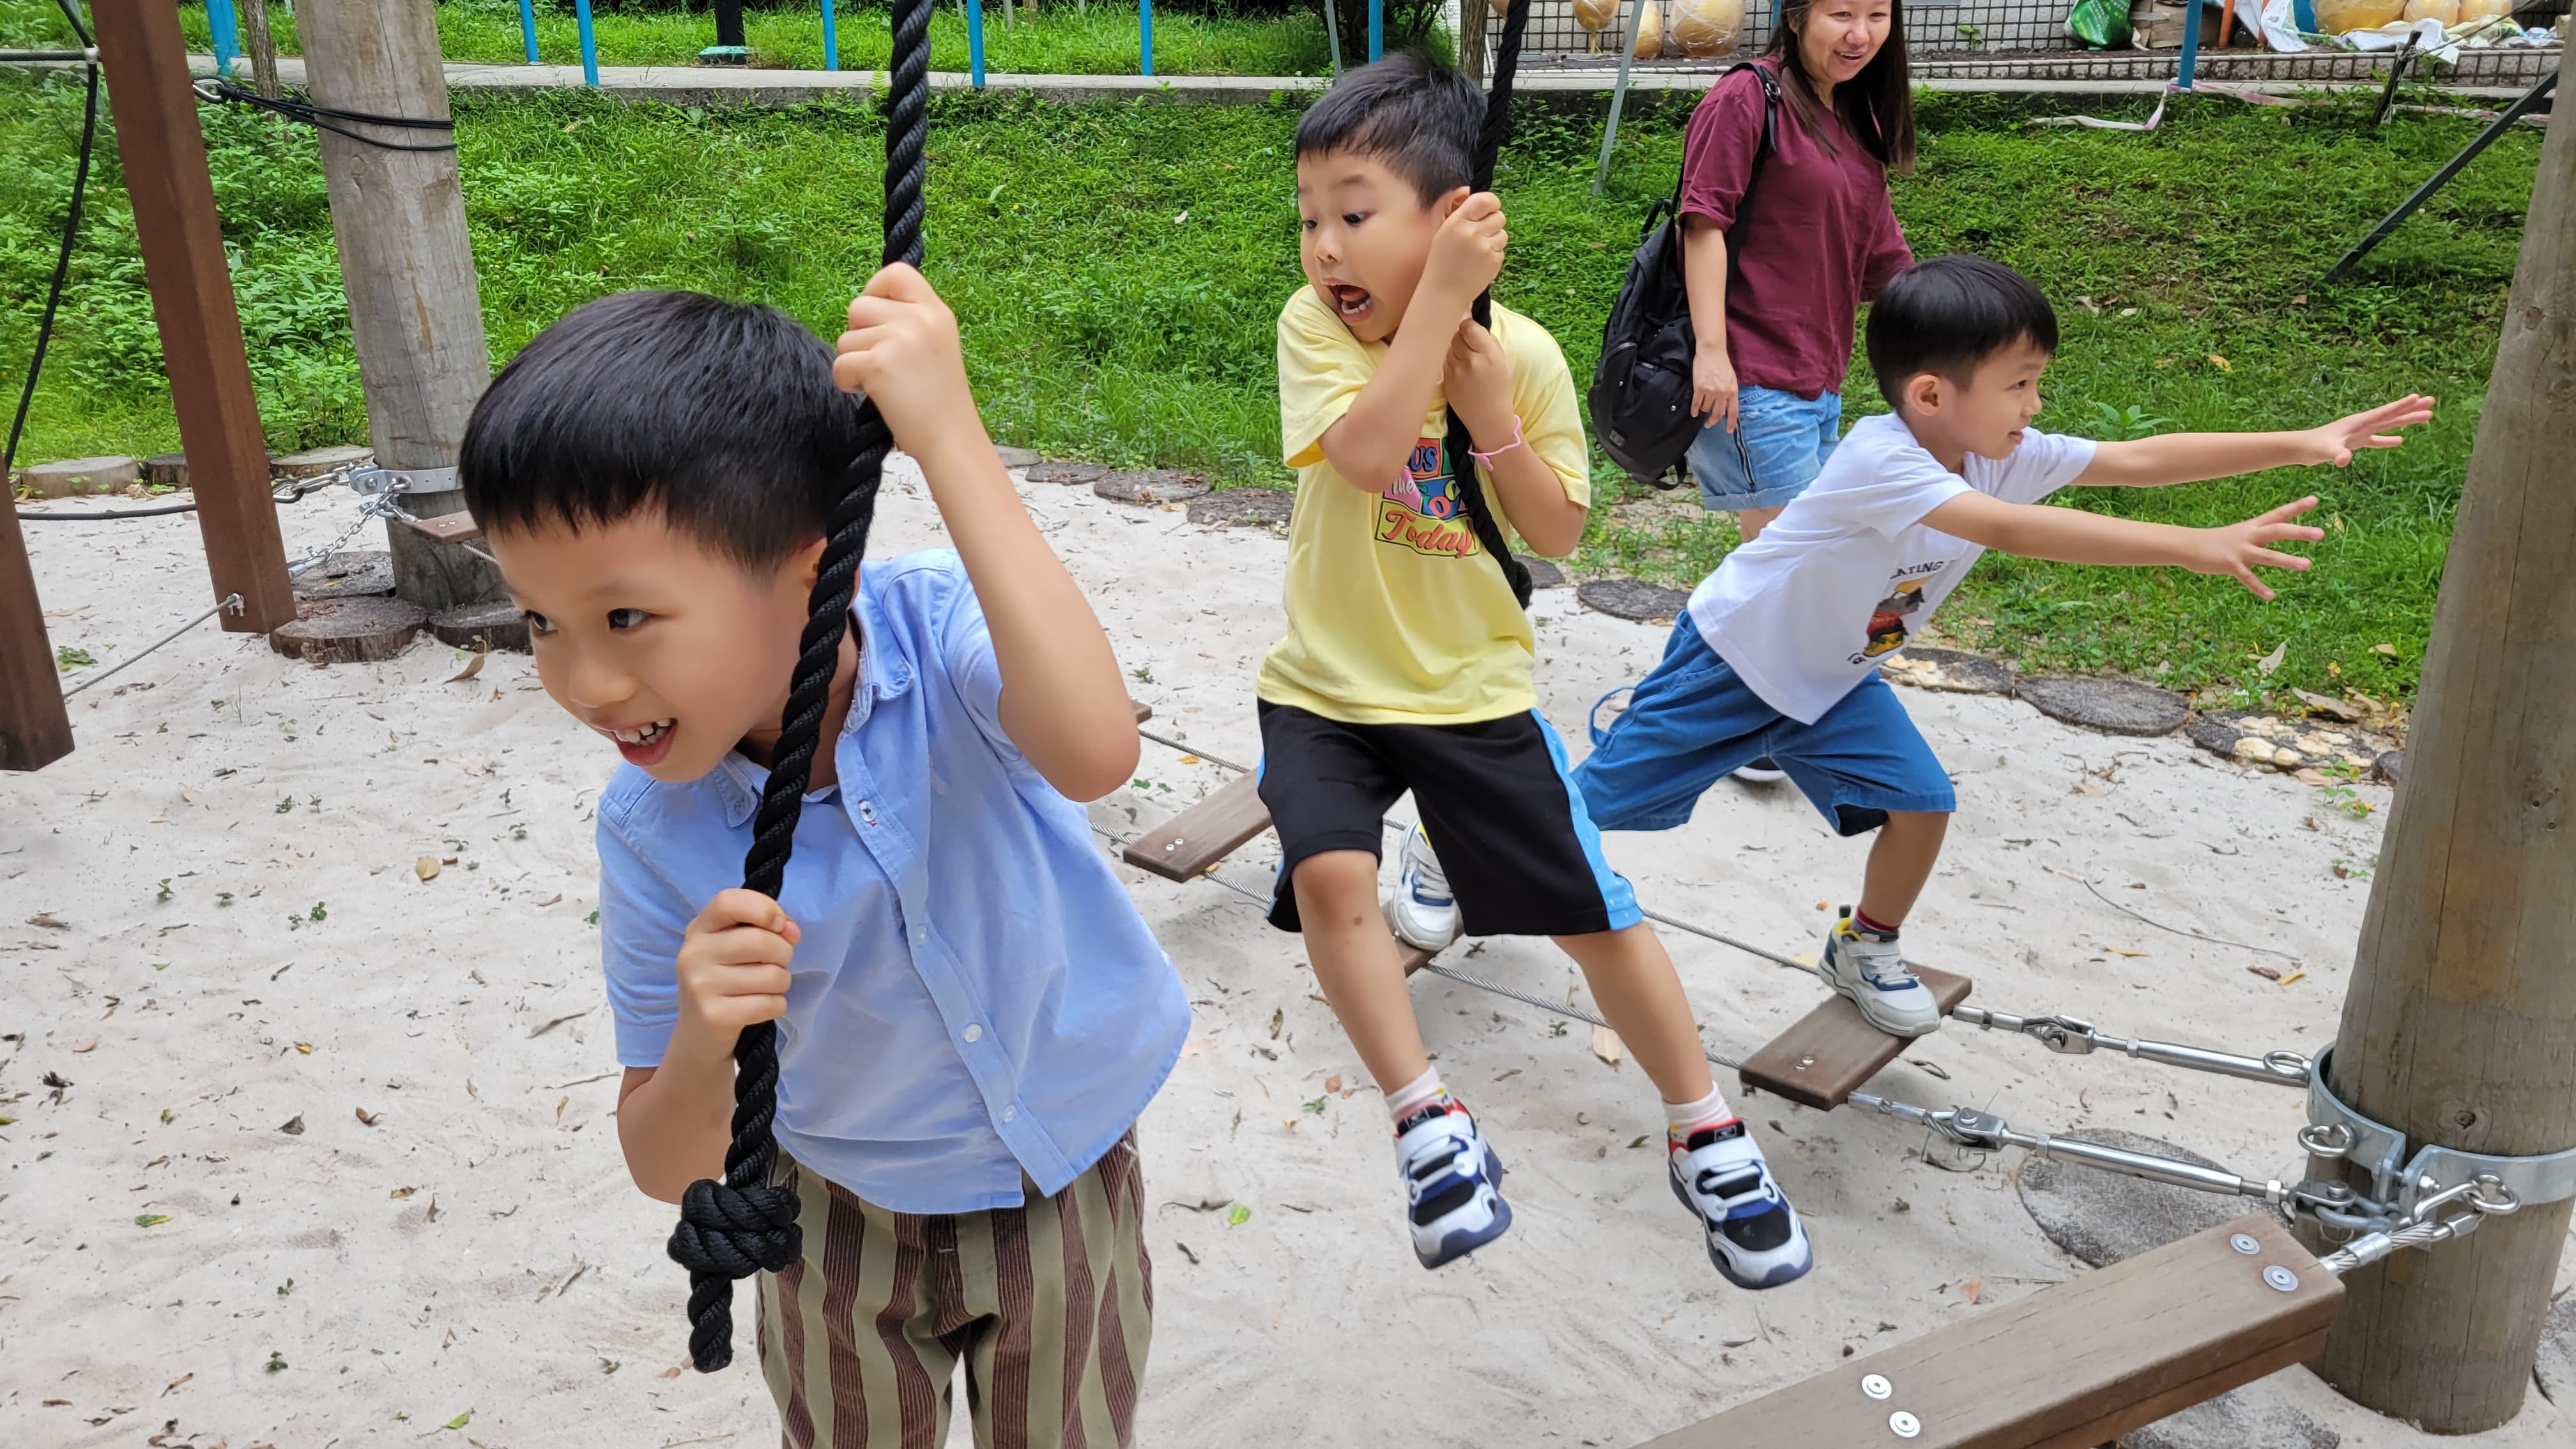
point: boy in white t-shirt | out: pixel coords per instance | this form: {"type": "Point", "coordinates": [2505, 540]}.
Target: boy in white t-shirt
{"type": "Point", "coordinates": [1779, 653]}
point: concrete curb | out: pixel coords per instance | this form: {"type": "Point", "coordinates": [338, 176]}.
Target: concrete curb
{"type": "Point", "coordinates": [683, 85]}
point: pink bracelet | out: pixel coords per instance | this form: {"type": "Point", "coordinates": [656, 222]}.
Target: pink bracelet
{"type": "Point", "coordinates": [1488, 458]}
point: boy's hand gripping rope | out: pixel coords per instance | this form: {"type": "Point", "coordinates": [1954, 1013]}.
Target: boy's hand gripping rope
{"type": "Point", "coordinates": [1462, 444]}
{"type": "Point", "coordinates": [745, 1223]}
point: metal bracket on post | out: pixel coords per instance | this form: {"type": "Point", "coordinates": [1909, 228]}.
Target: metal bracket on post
{"type": "Point", "coordinates": [373, 482]}
{"type": "Point", "coordinates": [2403, 1182]}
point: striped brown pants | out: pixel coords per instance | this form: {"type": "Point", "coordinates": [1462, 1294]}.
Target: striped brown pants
{"type": "Point", "coordinates": [1050, 1305]}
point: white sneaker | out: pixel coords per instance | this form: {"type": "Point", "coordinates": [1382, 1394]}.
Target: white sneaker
{"type": "Point", "coordinates": [1754, 1236]}
{"type": "Point", "coordinates": [1874, 975]}
{"type": "Point", "coordinates": [1451, 1182]}
{"type": "Point", "coordinates": [1422, 913]}
{"type": "Point", "coordinates": [1761, 772]}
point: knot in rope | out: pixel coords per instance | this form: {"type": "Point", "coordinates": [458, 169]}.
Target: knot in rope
{"type": "Point", "coordinates": [736, 1231]}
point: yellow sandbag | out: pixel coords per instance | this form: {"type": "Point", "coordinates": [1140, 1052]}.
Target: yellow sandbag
{"type": "Point", "coordinates": [1650, 30]}
{"type": "Point", "coordinates": [1704, 28]}
{"type": "Point", "coordinates": [1596, 16]}
{"type": "Point", "coordinates": [2334, 17]}
{"type": "Point", "coordinates": [2485, 9]}
{"type": "Point", "coordinates": [2445, 11]}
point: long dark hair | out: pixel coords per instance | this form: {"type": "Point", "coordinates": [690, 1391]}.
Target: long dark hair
{"type": "Point", "coordinates": [1876, 105]}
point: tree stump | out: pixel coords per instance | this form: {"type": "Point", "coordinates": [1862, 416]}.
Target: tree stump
{"type": "Point", "coordinates": [349, 631]}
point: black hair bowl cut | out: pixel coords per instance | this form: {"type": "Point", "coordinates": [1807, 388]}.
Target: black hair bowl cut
{"type": "Point", "coordinates": [1418, 116]}
{"type": "Point", "coordinates": [1947, 314]}
{"type": "Point", "coordinates": [719, 415]}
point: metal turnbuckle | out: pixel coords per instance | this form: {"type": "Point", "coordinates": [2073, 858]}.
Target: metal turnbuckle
{"type": "Point", "coordinates": [2074, 1036]}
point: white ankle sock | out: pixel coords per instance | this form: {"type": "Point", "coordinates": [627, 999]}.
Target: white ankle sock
{"type": "Point", "coordinates": [1686, 1118]}
{"type": "Point", "coordinates": [1415, 1095]}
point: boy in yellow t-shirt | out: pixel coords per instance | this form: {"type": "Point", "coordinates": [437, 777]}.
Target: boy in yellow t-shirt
{"type": "Point", "coordinates": [1406, 664]}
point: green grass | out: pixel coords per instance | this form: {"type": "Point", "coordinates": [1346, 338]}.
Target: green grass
{"type": "Point", "coordinates": [1100, 39]}
{"type": "Point", "coordinates": [1119, 268]}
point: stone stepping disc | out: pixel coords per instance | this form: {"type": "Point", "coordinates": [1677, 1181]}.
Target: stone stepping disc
{"type": "Point", "coordinates": [73, 477]}
{"type": "Point", "coordinates": [2290, 745]}
{"type": "Point", "coordinates": [1069, 474]}
{"type": "Point", "coordinates": [349, 631]}
{"type": "Point", "coordinates": [1633, 599]}
{"type": "Point", "coordinates": [1949, 671]}
{"type": "Point", "coordinates": [1544, 574]}
{"type": "Point", "coordinates": [1151, 485]}
{"type": "Point", "coordinates": [1244, 507]}
{"type": "Point", "coordinates": [2113, 706]}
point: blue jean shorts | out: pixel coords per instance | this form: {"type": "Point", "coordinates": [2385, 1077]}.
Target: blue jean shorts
{"type": "Point", "coordinates": [1692, 720]}
{"type": "Point", "coordinates": [1780, 442]}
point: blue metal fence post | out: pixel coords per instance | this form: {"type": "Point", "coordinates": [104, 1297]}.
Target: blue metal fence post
{"type": "Point", "coordinates": [2190, 45]}
{"type": "Point", "coordinates": [528, 28]}
{"type": "Point", "coordinates": [975, 42]}
{"type": "Point", "coordinates": [831, 39]}
{"type": "Point", "coordinates": [1145, 32]}
{"type": "Point", "coordinates": [589, 44]}
{"type": "Point", "coordinates": [1377, 28]}
{"type": "Point", "coordinates": [219, 19]}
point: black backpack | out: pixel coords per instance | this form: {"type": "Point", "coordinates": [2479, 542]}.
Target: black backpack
{"type": "Point", "coordinates": [1641, 388]}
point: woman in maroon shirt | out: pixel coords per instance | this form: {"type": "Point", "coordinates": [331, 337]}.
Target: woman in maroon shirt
{"type": "Point", "coordinates": [1775, 280]}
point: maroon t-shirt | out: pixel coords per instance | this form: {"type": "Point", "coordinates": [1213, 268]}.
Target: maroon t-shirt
{"type": "Point", "coordinates": [1818, 240]}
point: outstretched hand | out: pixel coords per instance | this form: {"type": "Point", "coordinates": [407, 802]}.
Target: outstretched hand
{"type": "Point", "coordinates": [2240, 548]}
{"type": "Point", "coordinates": [2337, 441]}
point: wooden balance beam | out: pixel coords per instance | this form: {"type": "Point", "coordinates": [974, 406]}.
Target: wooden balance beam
{"type": "Point", "coordinates": [2070, 1367]}
{"type": "Point", "coordinates": [1832, 1050]}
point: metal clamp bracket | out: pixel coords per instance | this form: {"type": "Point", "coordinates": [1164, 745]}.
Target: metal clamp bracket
{"type": "Point", "coordinates": [375, 482]}
{"type": "Point", "coordinates": [2403, 1182]}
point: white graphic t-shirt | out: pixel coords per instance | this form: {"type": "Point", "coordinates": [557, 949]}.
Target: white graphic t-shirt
{"type": "Point", "coordinates": [1849, 570]}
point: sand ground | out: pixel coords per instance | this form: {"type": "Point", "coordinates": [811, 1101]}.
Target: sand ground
{"type": "Point", "coordinates": [213, 928]}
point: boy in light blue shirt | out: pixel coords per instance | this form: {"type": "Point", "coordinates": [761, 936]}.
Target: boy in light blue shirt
{"type": "Point", "coordinates": [971, 1015]}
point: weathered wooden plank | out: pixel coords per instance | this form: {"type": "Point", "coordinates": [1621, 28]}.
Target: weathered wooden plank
{"type": "Point", "coordinates": [448, 528]}
{"type": "Point", "coordinates": [1143, 710]}
{"type": "Point", "coordinates": [2065, 1368]}
{"type": "Point", "coordinates": [1822, 1059]}
{"type": "Point", "coordinates": [35, 726]}
{"type": "Point", "coordinates": [1189, 843]}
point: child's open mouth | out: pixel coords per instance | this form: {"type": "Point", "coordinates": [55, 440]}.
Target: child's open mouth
{"type": "Point", "coordinates": [645, 745]}
{"type": "Point", "coordinates": [1353, 303]}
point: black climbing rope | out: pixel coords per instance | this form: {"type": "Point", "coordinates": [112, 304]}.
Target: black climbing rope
{"type": "Point", "coordinates": [62, 254]}
{"type": "Point", "coordinates": [1489, 148]}
{"type": "Point", "coordinates": [745, 1223]}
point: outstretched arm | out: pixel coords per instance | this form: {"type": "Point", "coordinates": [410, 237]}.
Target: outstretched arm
{"type": "Point", "coordinates": [2069, 535]}
{"type": "Point", "coordinates": [1063, 703]}
{"type": "Point", "coordinates": [2196, 457]}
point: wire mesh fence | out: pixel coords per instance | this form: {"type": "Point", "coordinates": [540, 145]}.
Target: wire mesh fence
{"type": "Point", "coordinates": [2003, 40]}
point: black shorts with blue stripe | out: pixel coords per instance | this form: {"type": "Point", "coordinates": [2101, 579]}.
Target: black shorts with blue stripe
{"type": "Point", "coordinates": [1495, 796]}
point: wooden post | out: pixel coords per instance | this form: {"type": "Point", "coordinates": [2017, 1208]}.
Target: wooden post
{"type": "Point", "coordinates": [414, 311]}
{"type": "Point", "coordinates": [2457, 1024]}
{"type": "Point", "coordinates": [164, 152]}
{"type": "Point", "coordinates": [35, 728]}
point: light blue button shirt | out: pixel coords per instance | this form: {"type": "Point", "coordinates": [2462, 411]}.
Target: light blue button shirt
{"type": "Point", "coordinates": [974, 996]}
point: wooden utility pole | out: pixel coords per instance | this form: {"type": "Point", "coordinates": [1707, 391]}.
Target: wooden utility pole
{"type": "Point", "coordinates": [414, 311]}
{"type": "Point", "coordinates": [164, 154]}
{"type": "Point", "coordinates": [2459, 1027]}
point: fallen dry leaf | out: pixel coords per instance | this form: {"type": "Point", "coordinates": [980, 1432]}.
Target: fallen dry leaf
{"type": "Point", "coordinates": [2294, 978]}
{"type": "Point", "coordinates": [473, 666]}
{"type": "Point", "coordinates": [2310, 776]}
{"type": "Point", "coordinates": [2272, 661]}
{"type": "Point", "coordinates": [175, 1383]}
{"type": "Point", "coordinates": [2266, 972]}
{"type": "Point", "coordinates": [475, 765]}
{"type": "Point", "coordinates": [50, 923]}
{"type": "Point", "coordinates": [2221, 363]}
{"type": "Point", "coordinates": [86, 1043]}
{"type": "Point", "coordinates": [398, 1194]}
{"type": "Point", "coordinates": [1278, 1020]}
{"type": "Point", "coordinates": [672, 1372]}
{"type": "Point", "coordinates": [1333, 1083]}
{"type": "Point", "coordinates": [294, 1126]}
{"type": "Point", "coordinates": [304, 1049]}
{"type": "Point", "coordinates": [2388, 649]}
{"type": "Point", "coordinates": [1607, 1046]}
{"type": "Point", "coordinates": [2123, 951]}
{"type": "Point", "coordinates": [369, 1119]}
{"type": "Point", "coordinates": [1972, 1290]}
{"type": "Point", "coordinates": [1824, 905]}
{"type": "Point", "coordinates": [426, 867]}
{"type": "Point", "coordinates": [2332, 708]}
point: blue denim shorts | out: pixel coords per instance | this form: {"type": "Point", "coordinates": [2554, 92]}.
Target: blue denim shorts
{"type": "Point", "coordinates": [1692, 720]}
{"type": "Point", "coordinates": [1780, 442]}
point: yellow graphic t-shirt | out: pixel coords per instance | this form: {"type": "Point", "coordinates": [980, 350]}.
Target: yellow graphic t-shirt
{"type": "Point", "coordinates": [1395, 614]}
